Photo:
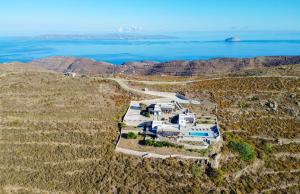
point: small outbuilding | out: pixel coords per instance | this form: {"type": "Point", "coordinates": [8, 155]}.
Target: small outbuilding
{"type": "Point", "coordinates": [70, 74]}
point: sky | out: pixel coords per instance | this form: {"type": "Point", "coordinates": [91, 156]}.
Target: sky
{"type": "Point", "coordinates": [34, 17]}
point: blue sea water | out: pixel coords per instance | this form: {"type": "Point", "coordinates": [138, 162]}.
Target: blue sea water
{"type": "Point", "coordinates": [120, 51]}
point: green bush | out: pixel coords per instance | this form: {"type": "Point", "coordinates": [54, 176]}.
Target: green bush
{"type": "Point", "coordinates": [148, 142]}
{"type": "Point", "coordinates": [243, 105]}
{"type": "Point", "coordinates": [196, 170]}
{"type": "Point", "coordinates": [131, 135]}
{"type": "Point", "coordinates": [160, 144]}
{"type": "Point", "coordinates": [163, 144]}
{"type": "Point", "coordinates": [268, 147]}
{"type": "Point", "coordinates": [245, 150]}
{"type": "Point", "coordinates": [147, 114]}
{"type": "Point", "coordinates": [236, 144]}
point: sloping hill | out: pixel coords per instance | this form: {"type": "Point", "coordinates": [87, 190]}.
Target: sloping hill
{"type": "Point", "coordinates": [220, 65]}
{"type": "Point", "coordinates": [58, 135]}
{"type": "Point", "coordinates": [78, 65]}
{"type": "Point", "coordinates": [140, 68]}
{"type": "Point", "coordinates": [178, 68]}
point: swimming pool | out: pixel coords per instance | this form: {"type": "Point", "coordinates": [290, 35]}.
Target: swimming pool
{"type": "Point", "coordinates": [198, 134]}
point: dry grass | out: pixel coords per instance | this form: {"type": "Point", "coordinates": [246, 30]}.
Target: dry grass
{"type": "Point", "coordinates": [57, 134]}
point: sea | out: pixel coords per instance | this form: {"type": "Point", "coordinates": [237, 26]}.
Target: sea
{"type": "Point", "coordinates": [191, 46]}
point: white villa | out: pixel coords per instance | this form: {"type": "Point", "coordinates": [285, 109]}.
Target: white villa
{"type": "Point", "coordinates": [189, 130]}
{"type": "Point", "coordinates": [169, 121]}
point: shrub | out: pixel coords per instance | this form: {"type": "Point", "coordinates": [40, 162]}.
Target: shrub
{"type": "Point", "coordinates": [160, 144]}
{"type": "Point", "coordinates": [149, 142]}
{"type": "Point", "coordinates": [217, 175]}
{"type": "Point", "coordinates": [245, 150]}
{"type": "Point", "coordinates": [236, 144]}
{"type": "Point", "coordinates": [229, 136]}
{"type": "Point", "coordinates": [268, 147]}
{"type": "Point", "coordinates": [122, 125]}
{"type": "Point", "coordinates": [254, 98]}
{"type": "Point", "coordinates": [243, 105]}
{"type": "Point", "coordinates": [196, 170]}
{"type": "Point", "coordinates": [147, 114]}
{"type": "Point", "coordinates": [164, 144]}
{"type": "Point", "coordinates": [131, 135]}
{"type": "Point", "coordinates": [142, 106]}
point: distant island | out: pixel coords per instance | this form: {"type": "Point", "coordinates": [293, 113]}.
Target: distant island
{"type": "Point", "coordinates": [233, 39]}
{"type": "Point", "coordinates": [116, 36]}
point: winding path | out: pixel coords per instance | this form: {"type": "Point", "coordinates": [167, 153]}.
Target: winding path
{"type": "Point", "coordinates": [153, 155]}
{"type": "Point", "coordinates": [169, 95]}
{"type": "Point", "coordinates": [197, 80]}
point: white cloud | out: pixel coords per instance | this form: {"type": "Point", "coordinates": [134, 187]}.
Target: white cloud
{"type": "Point", "coordinates": [129, 29]}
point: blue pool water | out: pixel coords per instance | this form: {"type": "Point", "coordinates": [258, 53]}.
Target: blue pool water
{"type": "Point", "coordinates": [179, 48]}
{"type": "Point", "coordinates": [198, 134]}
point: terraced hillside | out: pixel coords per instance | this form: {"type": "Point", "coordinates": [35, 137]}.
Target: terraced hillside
{"type": "Point", "coordinates": [57, 134]}
{"type": "Point", "coordinates": [260, 122]}
{"type": "Point", "coordinates": [55, 131]}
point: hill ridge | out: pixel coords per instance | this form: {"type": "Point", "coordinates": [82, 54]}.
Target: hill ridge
{"type": "Point", "coordinates": [175, 67]}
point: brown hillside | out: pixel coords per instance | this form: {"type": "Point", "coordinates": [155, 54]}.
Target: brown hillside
{"type": "Point", "coordinates": [177, 68]}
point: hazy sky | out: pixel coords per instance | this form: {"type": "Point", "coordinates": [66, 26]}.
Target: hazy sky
{"type": "Point", "coordinates": [18, 17]}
